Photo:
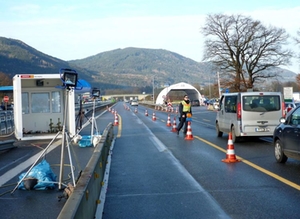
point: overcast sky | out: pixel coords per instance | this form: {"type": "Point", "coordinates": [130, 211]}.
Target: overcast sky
{"type": "Point", "coordinates": [76, 29]}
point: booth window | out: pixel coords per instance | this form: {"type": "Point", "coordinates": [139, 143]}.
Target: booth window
{"type": "Point", "coordinates": [40, 102]}
{"type": "Point", "coordinates": [25, 103]}
{"type": "Point", "coordinates": [56, 102]}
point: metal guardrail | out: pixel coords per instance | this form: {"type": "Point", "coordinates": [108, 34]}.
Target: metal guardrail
{"type": "Point", "coordinates": [6, 122]}
{"type": "Point", "coordinates": [84, 200]}
{"type": "Point", "coordinates": [162, 107]}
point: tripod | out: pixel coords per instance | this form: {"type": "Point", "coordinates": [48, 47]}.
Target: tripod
{"type": "Point", "coordinates": [93, 139]}
{"type": "Point", "coordinates": [65, 138]}
{"type": "Point", "coordinates": [94, 124]}
{"type": "Point", "coordinates": [79, 118]}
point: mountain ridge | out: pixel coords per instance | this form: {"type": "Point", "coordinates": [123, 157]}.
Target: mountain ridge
{"type": "Point", "coordinates": [126, 68]}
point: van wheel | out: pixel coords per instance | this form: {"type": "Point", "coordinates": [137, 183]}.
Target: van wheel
{"type": "Point", "coordinates": [279, 155]}
{"type": "Point", "coordinates": [219, 133]}
{"type": "Point", "coordinates": [234, 138]}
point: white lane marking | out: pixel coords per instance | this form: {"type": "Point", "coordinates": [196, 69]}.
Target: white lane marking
{"type": "Point", "coordinates": [15, 161]}
{"type": "Point", "coordinates": [158, 144]}
{"type": "Point", "coordinates": [102, 196]}
{"type": "Point", "coordinates": [22, 166]}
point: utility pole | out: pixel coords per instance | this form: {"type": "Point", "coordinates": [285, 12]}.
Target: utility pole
{"type": "Point", "coordinates": [153, 90]}
{"type": "Point", "coordinates": [209, 89]}
{"type": "Point", "coordinates": [219, 87]}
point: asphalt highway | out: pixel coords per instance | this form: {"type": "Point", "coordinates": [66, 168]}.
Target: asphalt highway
{"type": "Point", "coordinates": [156, 174]}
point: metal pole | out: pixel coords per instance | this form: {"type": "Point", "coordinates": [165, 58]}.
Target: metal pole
{"type": "Point", "coordinates": [63, 142]}
{"type": "Point", "coordinates": [219, 87]}
{"type": "Point", "coordinates": [209, 88]}
{"type": "Point", "coordinates": [93, 116]}
{"type": "Point", "coordinates": [153, 90]}
{"type": "Point", "coordinates": [71, 162]}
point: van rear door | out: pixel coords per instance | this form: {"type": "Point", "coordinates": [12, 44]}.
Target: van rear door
{"type": "Point", "coordinates": [260, 113]}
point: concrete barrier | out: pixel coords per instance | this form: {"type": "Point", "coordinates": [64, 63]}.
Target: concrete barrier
{"type": "Point", "coordinates": [84, 200]}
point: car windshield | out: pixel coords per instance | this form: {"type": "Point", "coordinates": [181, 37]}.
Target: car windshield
{"type": "Point", "coordinates": [261, 103]}
{"type": "Point", "coordinates": [294, 118]}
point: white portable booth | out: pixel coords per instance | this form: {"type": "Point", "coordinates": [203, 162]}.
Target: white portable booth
{"type": "Point", "coordinates": [39, 105]}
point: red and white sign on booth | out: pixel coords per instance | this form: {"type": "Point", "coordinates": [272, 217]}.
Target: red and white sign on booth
{"type": "Point", "coordinates": [6, 99]}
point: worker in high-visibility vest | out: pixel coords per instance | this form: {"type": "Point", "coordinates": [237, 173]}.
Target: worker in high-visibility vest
{"type": "Point", "coordinates": [185, 107]}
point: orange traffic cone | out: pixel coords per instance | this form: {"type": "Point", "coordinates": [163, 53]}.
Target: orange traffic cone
{"type": "Point", "coordinates": [169, 121]}
{"type": "Point", "coordinates": [189, 135]}
{"type": "Point", "coordinates": [174, 128]}
{"type": "Point", "coordinates": [116, 122]}
{"type": "Point", "coordinates": [146, 113]}
{"type": "Point", "coordinates": [153, 117]}
{"type": "Point", "coordinates": [230, 156]}
{"type": "Point", "coordinates": [176, 110]}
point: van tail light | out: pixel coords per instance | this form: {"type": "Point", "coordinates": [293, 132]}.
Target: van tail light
{"type": "Point", "coordinates": [283, 109]}
{"type": "Point", "coordinates": [239, 111]}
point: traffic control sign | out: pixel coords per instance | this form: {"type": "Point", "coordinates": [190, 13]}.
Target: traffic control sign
{"type": "Point", "coordinates": [6, 99]}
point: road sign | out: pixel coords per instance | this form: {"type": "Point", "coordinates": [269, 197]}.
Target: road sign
{"type": "Point", "coordinates": [288, 94]}
{"type": "Point", "coordinates": [6, 99]}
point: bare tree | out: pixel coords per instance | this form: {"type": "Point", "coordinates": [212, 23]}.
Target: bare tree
{"type": "Point", "coordinates": [298, 81]}
{"type": "Point", "coordinates": [244, 49]}
{"type": "Point", "coordinates": [297, 40]}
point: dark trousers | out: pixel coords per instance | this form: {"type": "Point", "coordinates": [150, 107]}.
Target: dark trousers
{"type": "Point", "coordinates": [181, 123]}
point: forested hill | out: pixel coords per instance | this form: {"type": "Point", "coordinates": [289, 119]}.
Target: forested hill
{"type": "Point", "coordinates": [117, 69]}
{"type": "Point", "coordinates": [17, 57]}
{"type": "Point", "coordinates": [137, 67]}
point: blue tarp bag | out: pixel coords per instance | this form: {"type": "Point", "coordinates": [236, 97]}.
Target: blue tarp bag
{"type": "Point", "coordinates": [85, 141]}
{"type": "Point", "coordinates": [41, 177]}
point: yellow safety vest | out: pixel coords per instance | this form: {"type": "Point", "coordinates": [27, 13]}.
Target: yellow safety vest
{"type": "Point", "coordinates": [186, 106]}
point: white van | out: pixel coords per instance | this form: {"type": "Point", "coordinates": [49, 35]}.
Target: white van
{"type": "Point", "coordinates": [249, 114]}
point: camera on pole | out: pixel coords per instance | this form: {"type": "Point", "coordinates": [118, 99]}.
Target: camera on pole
{"type": "Point", "coordinates": [95, 93]}
{"type": "Point", "coordinates": [69, 77]}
